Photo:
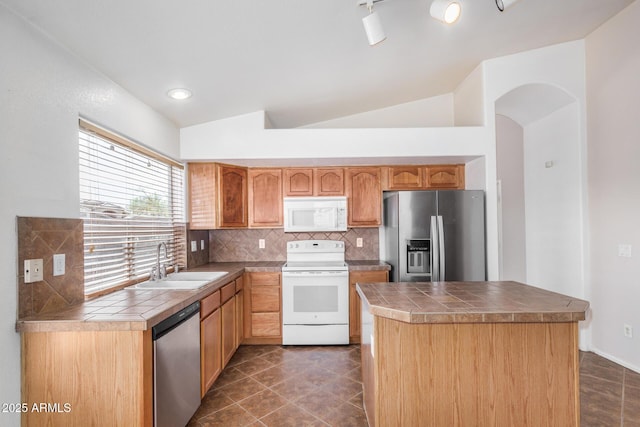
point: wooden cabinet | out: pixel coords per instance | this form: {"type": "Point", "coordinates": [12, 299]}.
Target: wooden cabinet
{"type": "Point", "coordinates": [445, 177]}
{"type": "Point", "coordinates": [364, 196]}
{"type": "Point", "coordinates": [228, 315]}
{"type": "Point", "coordinates": [328, 182]}
{"type": "Point", "coordinates": [298, 182]}
{"type": "Point", "coordinates": [354, 299]}
{"type": "Point", "coordinates": [314, 182]}
{"type": "Point", "coordinates": [232, 196]}
{"type": "Point", "coordinates": [239, 301]}
{"type": "Point", "coordinates": [265, 197]}
{"type": "Point", "coordinates": [262, 308]}
{"type": "Point", "coordinates": [405, 177]}
{"type": "Point", "coordinates": [210, 336]}
{"type": "Point", "coordinates": [202, 195]}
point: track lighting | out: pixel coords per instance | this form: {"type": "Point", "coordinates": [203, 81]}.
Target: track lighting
{"type": "Point", "coordinates": [447, 11]}
{"type": "Point", "coordinates": [504, 4]}
{"type": "Point", "coordinates": [372, 24]}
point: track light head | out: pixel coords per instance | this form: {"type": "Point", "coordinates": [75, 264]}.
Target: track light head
{"type": "Point", "coordinates": [447, 11]}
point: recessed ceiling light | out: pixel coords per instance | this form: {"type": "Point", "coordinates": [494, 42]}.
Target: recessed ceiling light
{"type": "Point", "coordinates": [179, 93]}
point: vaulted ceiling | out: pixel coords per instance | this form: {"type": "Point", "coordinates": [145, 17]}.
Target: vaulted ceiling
{"type": "Point", "coordinates": [301, 61]}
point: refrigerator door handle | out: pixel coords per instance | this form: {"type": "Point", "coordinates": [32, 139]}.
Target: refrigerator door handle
{"type": "Point", "coordinates": [435, 259]}
{"type": "Point", "coordinates": [441, 275]}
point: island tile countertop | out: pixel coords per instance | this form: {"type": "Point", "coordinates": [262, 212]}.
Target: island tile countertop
{"type": "Point", "coordinates": [469, 302]}
{"type": "Point", "coordinates": [137, 309]}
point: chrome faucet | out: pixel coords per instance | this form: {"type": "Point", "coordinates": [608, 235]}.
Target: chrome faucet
{"type": "Point", "coordinates": [159, 272]}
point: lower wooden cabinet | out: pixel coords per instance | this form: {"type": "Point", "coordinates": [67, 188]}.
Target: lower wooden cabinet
{"type": "Point", "coordinates": [210, 352]}
{"type": "Point", "coordinates": [354, 299]}
{"type": "Point", "coordinates": [262, 308]}
{"type": "Point", "coordinates": [210, 339]}
{"type": "Point", "coordinates": [228, 314]}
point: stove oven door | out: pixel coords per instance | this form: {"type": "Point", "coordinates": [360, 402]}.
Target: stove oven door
{"type": "Point", "coordinates": [315, 297]}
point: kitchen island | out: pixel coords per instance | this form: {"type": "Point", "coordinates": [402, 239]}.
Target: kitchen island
{"type": "Point", "coordinates": [469, 353]}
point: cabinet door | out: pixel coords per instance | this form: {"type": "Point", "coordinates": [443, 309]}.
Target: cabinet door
{"type": "Point", "coordinates": [239, 318]}
{"type": "Point", "coordinates": [228, 314]}
{"type": "Point", "coordinates": [210, 351]}
{"type": "Point", "coordinates": [202, 195]}
{"type": "Point", "coordinates": [445, 176]}
{"type": "Point", "coordinates": [265, 198]}
{"type": "Point", "coordinates": [265, 324]}
{"type": "Point", "coordinates": [364, 196]}
{"type": "Point", "coordinates": [298, 182]}
{"type": "Point", "coordinates": [405, 177]}
{"type": "Point", "coordinates": [232, 200]}
{"type": "Point", "coordinates": [354, 298]}
{"type": "Point", "coordinates": [328, 182]}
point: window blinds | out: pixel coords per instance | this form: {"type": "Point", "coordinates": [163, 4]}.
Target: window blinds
{"type": "Point", "coordinates": [131, 200]}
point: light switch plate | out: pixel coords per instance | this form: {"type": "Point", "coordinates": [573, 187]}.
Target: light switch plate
{"type": "Point", "coordinates": [58, 264]}
{"type": "Point", "coordinates": [33, 270]}
{"type": "Point", "coordinates": [194, 246]}
{"type": "Point", "coordinates": [261, 244]}
{"type": "Point", "coordinates": [202, 245]}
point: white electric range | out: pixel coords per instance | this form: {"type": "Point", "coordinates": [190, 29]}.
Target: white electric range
{"type": "Point", "coordinates": [315, 293]}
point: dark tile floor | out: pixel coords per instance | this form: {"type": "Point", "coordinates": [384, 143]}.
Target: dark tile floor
{"type": "Point", "coordinates": [320, 386]}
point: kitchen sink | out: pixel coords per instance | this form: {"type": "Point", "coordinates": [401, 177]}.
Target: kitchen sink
{"type": "Point", "coordinates": [184, 280]}
{"type": "Point", "coordinates": [171, 284]}
{"type": "Point", "coordinates": [196, 275]}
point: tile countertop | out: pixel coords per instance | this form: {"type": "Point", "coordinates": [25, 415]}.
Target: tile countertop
{"type": "Point", "coordinates": [141, 309]}
{"type": "Point", "coordinates": [136, 309]}
{"type": "Point", "coordinates": [469, 302]}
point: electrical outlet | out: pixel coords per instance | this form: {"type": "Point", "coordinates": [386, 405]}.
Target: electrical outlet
{"type": "Point", "coordinates": [628, 331]}
{"type": "Point", "coordinates": [194, 246]}
{"type": "Point", "coordinates": [261, 244]}
{"type": "Point", "coordinates": [33, 270]}
{"type": "Point", "coordinates": [359, 242]}
{"type": "Point", "coordinates": [624, 250]}
{"type": "Point", "coordinates": [202, 245]}
{"type": "Point", "coordinates": [58, 264]}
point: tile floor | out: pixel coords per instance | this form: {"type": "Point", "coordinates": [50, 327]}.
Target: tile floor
{"type": "Point", "coordinates": [320, 386]}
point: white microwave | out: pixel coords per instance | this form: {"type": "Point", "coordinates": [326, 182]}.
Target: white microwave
{"type": "Point", "coordinates": [311, 214]}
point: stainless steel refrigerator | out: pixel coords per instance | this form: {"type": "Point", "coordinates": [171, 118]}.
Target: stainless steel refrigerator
{"type": "Point", "coordinates": [432, 236]}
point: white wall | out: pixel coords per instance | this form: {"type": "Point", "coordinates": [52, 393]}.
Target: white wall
{"type": "Point", "coordinates": [510, 173]}
{"type": "Point", "coordinates": [43, 90]}
{"type": "Point", "coordinates": [469, 99]}
{"type": "Point", "coordinates": [552, 204]}
{"type": "Point", "coordinates": [613, 85]}
{"type": "Point", "coordinates": [430, 112]}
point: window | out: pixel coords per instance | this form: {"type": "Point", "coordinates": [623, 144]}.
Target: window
{"type": "Point", "coordinates": [131, 200]}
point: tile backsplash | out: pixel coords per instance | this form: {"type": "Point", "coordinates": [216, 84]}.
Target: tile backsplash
{"type": "Point", "coordinates": [42, 238]}
{"type": "Point", "coordinates": [242, 245]}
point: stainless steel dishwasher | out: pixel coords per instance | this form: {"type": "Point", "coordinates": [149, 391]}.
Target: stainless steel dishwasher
{"type": "Point", "coordinates": [176, 367]}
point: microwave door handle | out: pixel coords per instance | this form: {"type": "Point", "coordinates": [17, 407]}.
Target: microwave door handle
{"type": "Point", "coordinates": [441, 248]}
{"type": "Point", "coordinates": [435, 259]}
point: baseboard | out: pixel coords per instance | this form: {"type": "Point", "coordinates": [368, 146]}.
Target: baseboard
{"type": "Point", "coordinates": [616, 360]}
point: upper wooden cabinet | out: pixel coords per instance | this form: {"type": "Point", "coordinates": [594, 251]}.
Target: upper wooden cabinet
{"type": "Point", "coordinates": [232, 200]}
{"type": "Point", "coordinates": [328, 182]}
{"type": "Point", "coordinates": [445, 176]}
{"type": "Point", "coordinates": [202, 195]}
{"type": "Point", "coordinates": [405, 177]}
{"type": "Point", "coordinates": [313, 182]}
{"type": "Point", "coordinates": [265, 197]}
{"type": "Point", "coordinates": [298, 182]}
{"type": "Point", "coordinates": [364, 194]}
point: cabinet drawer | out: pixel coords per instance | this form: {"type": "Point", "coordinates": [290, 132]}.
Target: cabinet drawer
{"type": "Point", "coordinates": [265, 324]}
{"type": "Point", "coordinates": [209, 303]}
{"type": "Point", "coordinates": [265, 299]}
{"type": "Point", "coordinates": [228, 291]}
{"type": "Point", "coordinates": [265, 279]}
